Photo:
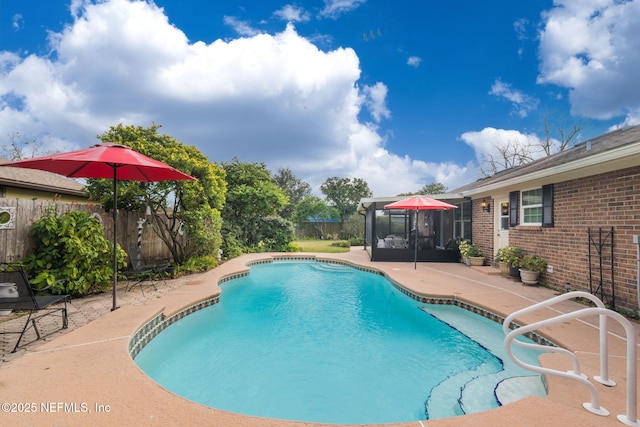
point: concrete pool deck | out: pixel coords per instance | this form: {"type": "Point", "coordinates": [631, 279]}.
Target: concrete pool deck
{"type": "Point", "coordinates": [85, 376]}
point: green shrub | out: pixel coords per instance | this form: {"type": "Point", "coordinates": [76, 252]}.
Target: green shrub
{"type": "Point", "coordinates": [341, 244]}
{"type": "Point", "coordinates": [292, 247]}
{"type": "Point", "coordinates": [275, 233]}
{"type": "Point", "coordinates": [71, 253]}
{"type": "Point", "coordinates": [501, 255]}
{"type": "Point", "coordinates": [356, 241]}
{"type": "Point", "coordinates": [473, 251]}
{"type": "Point", "coordinates": [197, 264]}
{"type": "Point", "coordinates": [533, 263]}
{"type": "Point", "coordinates": [464, 247]}
{"type": "Point", "coordinates": [512, 256]}
{"type": "Point", "coordinates": [468, 249]}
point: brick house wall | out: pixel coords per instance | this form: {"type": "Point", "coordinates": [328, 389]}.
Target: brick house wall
{"type": "Point", "coordinates": [606, 201]}
{"type": "Point", "coordinates": [482, 228]}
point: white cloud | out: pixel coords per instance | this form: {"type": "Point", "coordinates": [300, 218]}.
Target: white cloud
{"type": "Point", "coordinates": [276, 99]}
{"type": "Point", "coordinates": [241, 27]}
{"type": "Point", "coordinates": [17, 21]}
{"type": "Point", "coordinates": [375, 101]}
{"type": "Point", "coordinates": [76, 7]}
{"type": "Point", "coordinates": [335, 8]}
{"type": "Point", "coordinates": [414, 61]}
{"type": "Point", "coordinates": [591, 48]}
{"type": "Point", "coordinates": [522, 103]}
{"type": "Point", "coordinates": [490, 142]}
{"type": "Point", "coordinates": [632, 119]}
{"type": "Point", "coordinates": [520, 27]}
{"type": "Point", "coordinates": [292, 13]}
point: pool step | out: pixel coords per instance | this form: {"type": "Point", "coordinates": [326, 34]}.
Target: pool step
{"type": "Point", "coordinates": [516, 388]}
{"type": "Point", "coordinates": [479, 393]}
{"type": "Point", "coordinates": [447, 395]}
{"type": "Point", "coordinates": [330, 267]}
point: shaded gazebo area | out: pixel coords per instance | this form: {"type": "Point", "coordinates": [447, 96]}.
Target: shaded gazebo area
{"type": "Point", "coordinates": [391, 234]}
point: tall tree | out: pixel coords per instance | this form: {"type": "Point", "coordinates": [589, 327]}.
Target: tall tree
{"type": "Point", "coordinates": [184, 214]}
{"type": "Point", "coordinates": [251, 220]}
{"type": "Point", "coordinates": [314, 210]}
{"type": "Point", "coordinates": [566, 137]}
{"type": "Point", "coordinates": [345, 194]}
{"type": "Point", "coordinates": [507, 154]}
{"type": "Point", "coordinates": [295, 188]}
{"type": "Point", "coordinates": [433, 188]}
{"type": "Point", "coordinates": [512, 153]}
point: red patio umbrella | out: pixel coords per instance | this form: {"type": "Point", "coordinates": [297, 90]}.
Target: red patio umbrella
{"type": "Point", "coordinates": [106, 160]}
{"type": "Point", "coordinates": [419, 203]}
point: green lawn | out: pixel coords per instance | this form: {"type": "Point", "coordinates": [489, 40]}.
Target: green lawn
{"type": "Point", "coordinates": [319, 246]}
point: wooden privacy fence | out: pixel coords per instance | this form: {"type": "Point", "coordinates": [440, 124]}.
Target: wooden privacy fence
{"type": "Point", "coordinates": [17, 216]}
{"type": "Point", "coordinates": [308, 229]}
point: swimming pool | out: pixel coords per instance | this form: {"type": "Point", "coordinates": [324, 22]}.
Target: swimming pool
{"type": "Point", "coordinates": [322, 342]}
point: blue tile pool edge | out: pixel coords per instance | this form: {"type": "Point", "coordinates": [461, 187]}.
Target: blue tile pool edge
{"type": "Point", "coordinates": [159, 322]}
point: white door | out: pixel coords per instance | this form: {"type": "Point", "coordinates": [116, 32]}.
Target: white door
{"type": "Point", "coordinates": [501, 223]}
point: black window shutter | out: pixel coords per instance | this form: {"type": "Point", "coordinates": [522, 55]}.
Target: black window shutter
{"type": "Point", "coordinates": [513, 209]}
{"type": "Point", "coordinates": [547, 205]}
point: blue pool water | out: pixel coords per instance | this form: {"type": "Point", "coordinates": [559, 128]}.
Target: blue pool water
{"type": "Point", "coordinates": [321, 342]}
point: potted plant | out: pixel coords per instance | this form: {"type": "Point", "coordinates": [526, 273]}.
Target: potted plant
{"type": "Point", "coordinates": [464, 247]}
{"type": "Point", "coordinates": [513, 257]}
{"type": "Point", "coordinates": [530, 268]}
{"type": "Point", "coordinates": [475, 256]}
{"type": "Point", "coordinates": [500, 258]}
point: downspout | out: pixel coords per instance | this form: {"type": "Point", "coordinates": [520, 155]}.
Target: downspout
{"type": "Point", "coordinates": [365, 227]}
{"type": "Point", "coordinates": [636, 240]}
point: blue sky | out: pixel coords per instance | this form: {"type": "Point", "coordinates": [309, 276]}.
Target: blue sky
{"type": "Point", "coordinates": [400, 94]}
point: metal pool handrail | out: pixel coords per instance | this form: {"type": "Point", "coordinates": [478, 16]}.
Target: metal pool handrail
{"type": "Point", "coordinates": [594, 406]}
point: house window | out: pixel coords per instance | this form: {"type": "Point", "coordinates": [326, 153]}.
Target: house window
{"type": "Point", "coordinates": [532, 207]}
{"type": "Point", "coordinates": [504, 216]}
{"type": "Point", "coordinates": [462, 221]}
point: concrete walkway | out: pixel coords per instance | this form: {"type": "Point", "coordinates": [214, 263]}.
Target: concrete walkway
{"type": "Point", "coordinates": [80, 312]}
{"type": "Point", "coordinates": [85, 376]}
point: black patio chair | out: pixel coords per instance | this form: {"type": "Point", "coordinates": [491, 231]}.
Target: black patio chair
{"type": "Point", "coordinates": [149, 273]}
{"type": "Point", "coordinates": [37, 306]}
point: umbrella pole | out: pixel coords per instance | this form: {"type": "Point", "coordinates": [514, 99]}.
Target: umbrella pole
{"type": "Point", "coordinates": [415, 241]}
{"type": "Point", "coordinates": [115, 234]}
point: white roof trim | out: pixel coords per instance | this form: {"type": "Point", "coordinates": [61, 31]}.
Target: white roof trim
{"type": "Point", "coordinates": [610, 156]}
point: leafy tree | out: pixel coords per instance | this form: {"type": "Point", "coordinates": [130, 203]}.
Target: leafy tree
{"type": "Point", "coordinates": [433, 188]}
{"type": "Point", "coordinates": [185, 214]}
{"type": "Point", "coordinates": [252, 198]}
{"type": "Point", "coordinates": [295, 188]}
{"type": "Point", "coordinates": [345, 194]}
{"type": "Point", "coordinates": [251, 192]}
{"type": "Point", "coordinates": [354, 227]}
{"type": "Point", "coordinates": [315, 209]}
{"type": "Point", "coordinates": [274, 233]}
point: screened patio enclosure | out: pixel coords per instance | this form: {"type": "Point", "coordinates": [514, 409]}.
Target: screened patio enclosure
{"type": "Point", "coordinates": [391, 235]}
